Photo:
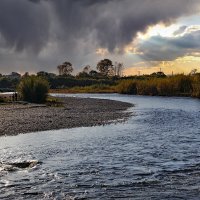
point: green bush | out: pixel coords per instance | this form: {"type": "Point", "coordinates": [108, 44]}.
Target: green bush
{"type": "Point", "coordinates": [33, 89]}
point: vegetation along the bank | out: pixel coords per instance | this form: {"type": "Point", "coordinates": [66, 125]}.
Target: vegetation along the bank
{"type": "Point", "coordinates": [107, 78]}
{"type": "Point", "coordinates": [178, 85]}
{"type": "Point", "coordinates": [33, 89]}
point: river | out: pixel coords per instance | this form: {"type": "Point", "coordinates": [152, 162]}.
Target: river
{"type": "Point", "coordinates": [153, 155]}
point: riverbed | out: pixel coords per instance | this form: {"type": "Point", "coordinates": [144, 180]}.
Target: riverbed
{"type": "Point", "coordinates": [155, 154]}
{"type": "Point", "coordinates": [69, 112]}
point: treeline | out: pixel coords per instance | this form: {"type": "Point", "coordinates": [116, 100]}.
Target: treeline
{"type": "Point", "coordinates": [156, 84]}
{"type": "Point", "coordinates": [8, 84]}
{"type": "Point", "coordinates": [106, 74]}
{"type": "Point", "coordinates": [108, 78]}
{"type": "Point", "coordinates": [177, 85]}
{"type": "Point", "coordinates": [59, 82]}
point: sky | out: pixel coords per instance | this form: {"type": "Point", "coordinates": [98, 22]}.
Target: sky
{"type": "Point", "coordinates": [146, 36]}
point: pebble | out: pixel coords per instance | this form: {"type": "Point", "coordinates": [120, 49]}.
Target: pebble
{"type": "Point", "coordinates": [75, 112]}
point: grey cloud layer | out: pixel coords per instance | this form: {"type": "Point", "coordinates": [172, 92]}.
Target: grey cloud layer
{"type": "Point", "coordinates": [160, 48]}
{"type": "Point", "coordinates": [77, 27]}
{"type": "Point", "coordinates": [114, 23]}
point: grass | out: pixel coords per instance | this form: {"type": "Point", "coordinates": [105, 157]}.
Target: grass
{"type": "Point", "coordinates": [87, 89]}
{"type": "Point", "coordinates": [5, 98]}
{"type": "Point", "coordinates": [178, 85]}
{"type": "Point", "coordinates": [53, 102]}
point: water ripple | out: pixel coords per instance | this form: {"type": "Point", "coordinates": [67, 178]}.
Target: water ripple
{"type": "Point", "coordinates": [154, 155]}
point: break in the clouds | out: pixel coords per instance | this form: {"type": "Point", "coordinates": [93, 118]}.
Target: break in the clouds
{"type": "Point", "coordinates": [39, 34]}
{"type": "Point", "coordinates": [158, 48]}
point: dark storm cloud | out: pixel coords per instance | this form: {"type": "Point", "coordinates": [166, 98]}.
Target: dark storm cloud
{"type": "Point", "coordinates": [116, 22]}
{"type": "Point", "coordinates": [160, 48]}
{"type": "Point", "coordinates": [113, 22]}
{"type": "Point", "coordinates": [35, 1]}
{"type": "Point", "coordinates": [56, 30]}
{"type": "Point", "coordinates": [23, 25]}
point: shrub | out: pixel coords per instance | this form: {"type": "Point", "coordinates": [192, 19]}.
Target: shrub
{"type": "Point", "coordinates": [178, 85]}
{"type": "Point", "coordinates": [166, 87]}
{"type": "Point", "coordinates": [2, 100]}
{"type": "Point", "coordinates": [33, 89]}
{"type": "Point", "coordinates": [183, 84]}
{"type": "Point", "coordinates": [147, 87]}
{"type": "Point", "coordinates": [196, 86]}
{"type": "Point", "coordinates": [127, 87]}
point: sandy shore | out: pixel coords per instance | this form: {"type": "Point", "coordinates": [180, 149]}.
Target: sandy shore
{"type": "Point", "coordinates": [75, 112]}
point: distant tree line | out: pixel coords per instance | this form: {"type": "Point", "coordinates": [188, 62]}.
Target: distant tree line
{"type": "Point", "coordinates": [109, 77]}
{"type": "Point", "coordinates": [105, 68]}
{"type": "Point", "coordinates": [106, 73]}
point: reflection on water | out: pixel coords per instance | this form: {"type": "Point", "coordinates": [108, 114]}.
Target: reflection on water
{"type": "Point", "coordinates": [154, 155]}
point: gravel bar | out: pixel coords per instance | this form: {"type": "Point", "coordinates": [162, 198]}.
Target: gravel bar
{"type": "Point", "coordinates": [74, 112]}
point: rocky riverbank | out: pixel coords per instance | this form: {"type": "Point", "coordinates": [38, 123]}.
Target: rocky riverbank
{"type": "Point", "coordinates": [74, 112]}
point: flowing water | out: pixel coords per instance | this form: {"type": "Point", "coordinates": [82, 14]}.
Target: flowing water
{"type": "Point", "coordinates": [153, 155]}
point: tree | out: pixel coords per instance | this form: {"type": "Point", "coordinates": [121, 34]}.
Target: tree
{"type": "Point", "coordinates": [65, 69]}
{"type": "Point", "coordinates": [158, 74]}
{"type": "Point", "coordinates": [46, 74]}
{"type": "Point", "coordinates": [60, 69]}
{"type": "Point", "coordinates": [93, 73]}
{"type": "Point", "coordinates": [193, 72]}
{"type": "Point", "coordinates": [105, 67]}
{"type": "Point", "coordinates": [85, 72]}
{"type": "Point", "coordinates": [25, 75]}
{"type": "Point", "coordinates": [118, 69]}
{"type": "Point", "coordinates": [14, 75]}
{"type": "Point", "coordinates": [86, 69]}
{"type": "Point", "coordinates": [42, 73]}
